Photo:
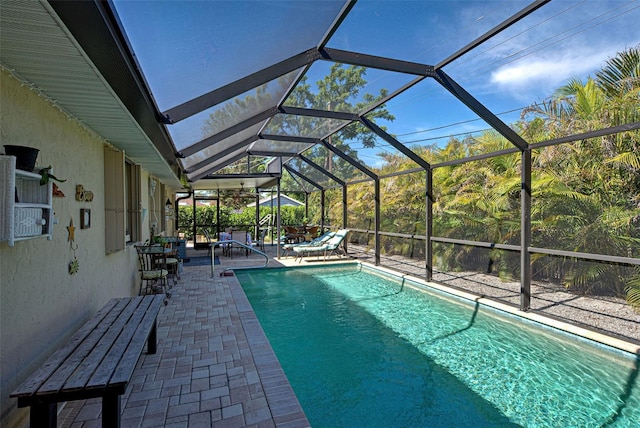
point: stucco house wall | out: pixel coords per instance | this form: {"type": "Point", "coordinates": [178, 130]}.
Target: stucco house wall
{"type": "Point", "coordinates": [41, 304]}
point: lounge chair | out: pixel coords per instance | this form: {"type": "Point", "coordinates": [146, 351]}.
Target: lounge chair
{"type": "Point", "coordinates": [313, 243]}
{"type": "Point", "coordinates": [329, 247]}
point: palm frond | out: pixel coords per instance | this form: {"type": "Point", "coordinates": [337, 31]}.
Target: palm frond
{"type": "Point", "coordinates": [628, 158]}
{"type": "Point", "coordinates": [632, 290]}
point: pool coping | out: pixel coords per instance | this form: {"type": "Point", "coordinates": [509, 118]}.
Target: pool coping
{"type": "Point", "coordinates": [283, 403]}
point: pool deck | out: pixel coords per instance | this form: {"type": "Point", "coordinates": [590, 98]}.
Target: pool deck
{"type": "Point", "coordinates": [214, 366]}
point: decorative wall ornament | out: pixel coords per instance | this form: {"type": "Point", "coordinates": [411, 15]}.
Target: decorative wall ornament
{"type": "Point", "coordinates": [83, 195]}
{"type": "Point", "coordinates": [46, 176]}
{"type": "Point", "coordinates": [75, 264]}
{"type": "Point", "coordinates": [72, 232]}
{"type": "Point", "coordinates": [57, 193]}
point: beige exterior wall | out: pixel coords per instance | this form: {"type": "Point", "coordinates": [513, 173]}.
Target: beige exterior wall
{"type": "Point", "coordinates": [41, 304]}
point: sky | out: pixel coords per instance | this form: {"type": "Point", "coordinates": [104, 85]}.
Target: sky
{"type": "Point", "coordinates": [187, 48]}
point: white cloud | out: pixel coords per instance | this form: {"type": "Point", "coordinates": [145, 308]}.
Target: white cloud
{"type": "Point", "coordinates": [541, 75]}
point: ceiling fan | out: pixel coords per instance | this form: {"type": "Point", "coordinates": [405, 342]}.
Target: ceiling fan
{"type": "Point", "coordinates": [242, 192]}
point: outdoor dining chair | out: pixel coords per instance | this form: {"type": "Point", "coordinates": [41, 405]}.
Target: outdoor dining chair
{"type": "Point", "coordinates": [311, 233]}
{"type": "Point", "coordinates": [172, 260]}
{"type": "Point", "coordinates": [292, 234]}
{"type": "Point", "coordinates": [208, 238]}
{"type": "Point", "coordinates": [260, 242]}
{"type": "Point", "coordinates": [243, 237]}
{"type": "Point", "coordinates": [152, 261]}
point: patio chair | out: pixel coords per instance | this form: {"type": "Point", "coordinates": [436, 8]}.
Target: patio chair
{"type": "Point", "coordinates": [172, 260]}
{"type": "Point", "coordinates": [331, 246]}
{"type": "Point", "coordinates": [292, 234]}
{"type": "Point", "coordinates": [208, 238]}
{"type": "Point", "coordinates": [311, 233]}
{"type": "Point", "coordinates": [152, 261]}
{"type": "Point", "coordinates": [243, 237]}
{"type": "Point", "coordinates": [260, 243]}
{"type": "Point", "coordinates": [226, 247]}
{"type": "Point", "coordinates": [314, 242]}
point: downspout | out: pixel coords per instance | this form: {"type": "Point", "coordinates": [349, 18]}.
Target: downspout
{"type": "Point", "coordinates": [176, 207]}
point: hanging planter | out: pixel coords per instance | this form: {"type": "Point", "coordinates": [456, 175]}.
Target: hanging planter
{"type": "Point", "coordinates": [25, 156]}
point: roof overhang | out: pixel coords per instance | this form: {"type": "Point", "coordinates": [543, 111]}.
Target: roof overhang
{"type": "Point", "coordinates": [85, 71]}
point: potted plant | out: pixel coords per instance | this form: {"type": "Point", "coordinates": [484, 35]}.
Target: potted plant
{"type": "Point", "coordinates": [25, 156]}
{"type": "Point", "coordinates": [159, 240]}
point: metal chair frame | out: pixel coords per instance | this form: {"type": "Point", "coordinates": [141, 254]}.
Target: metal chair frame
{"type": "Point", "coordinates": [153, 270]}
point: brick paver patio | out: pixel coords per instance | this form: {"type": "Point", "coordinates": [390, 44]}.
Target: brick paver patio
{"type": "Point", "coordinates": [214, 366]}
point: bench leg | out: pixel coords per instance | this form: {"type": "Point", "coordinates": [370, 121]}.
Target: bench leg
{"type": "Point", "coordinates": [153, 339]}
{"type": "Point", "coordinates": [111, 411]}
{"type": "Point", "coordinates": [43, 415]}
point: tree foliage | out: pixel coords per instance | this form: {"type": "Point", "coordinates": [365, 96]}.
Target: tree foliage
{"type": "Point", "coordinates": [338, 91]}
{"type": "Point", "coordinates": [206, 218]}
{"type": "Point", "coordinates": [586, 194]}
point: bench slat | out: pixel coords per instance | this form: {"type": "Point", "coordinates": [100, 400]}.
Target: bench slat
{"type": "Point", "coordinates": [127, 364]}
{"type": "Point", "coordinates": [40, 376]}
{"type": "Point", "coordinates": [103, 375]}
{"type": "Point", "coordinates": [57, 381]}
{"type": "Point", "coordinates": [91, 362]}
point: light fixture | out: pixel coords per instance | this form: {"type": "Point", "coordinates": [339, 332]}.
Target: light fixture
{"type": "Point", "coordinates": [242, 192]}
{"type": "Point", "coordinates": [168, 209]}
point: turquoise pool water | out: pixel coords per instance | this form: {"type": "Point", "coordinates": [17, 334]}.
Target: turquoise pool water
{"type": "Point", "coordinates": [362, 349]}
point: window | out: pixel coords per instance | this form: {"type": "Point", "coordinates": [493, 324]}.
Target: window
{"type": "Point", "coordinates": [133, 204]}
{"type": "Point", "coordinates": [121, 201]}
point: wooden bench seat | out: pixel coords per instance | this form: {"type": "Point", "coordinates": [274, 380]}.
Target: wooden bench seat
{"type": "Point", "coordinates": [98, 361]}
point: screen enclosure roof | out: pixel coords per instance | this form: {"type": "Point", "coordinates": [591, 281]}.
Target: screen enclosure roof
{"type": "Point", "coordinates": [323, 91]}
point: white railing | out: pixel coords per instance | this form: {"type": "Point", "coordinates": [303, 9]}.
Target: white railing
{"type": "Point", "coordinates": [248, 247]}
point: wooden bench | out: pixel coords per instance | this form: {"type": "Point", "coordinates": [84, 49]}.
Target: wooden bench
{"type": "Point", "coordinates": [98, 361]}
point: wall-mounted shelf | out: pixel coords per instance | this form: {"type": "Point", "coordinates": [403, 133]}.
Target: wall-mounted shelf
{"type": "Point", "coordinates": [25, 206]}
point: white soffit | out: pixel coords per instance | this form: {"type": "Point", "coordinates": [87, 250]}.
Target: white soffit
{"type": "Point", "coordinates": [37, 48]}
{"type": "Point", "coordinates": [234, 183]}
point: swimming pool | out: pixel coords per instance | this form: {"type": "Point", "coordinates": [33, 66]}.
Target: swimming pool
{"type": "Point", "coordinates": [363, 349]}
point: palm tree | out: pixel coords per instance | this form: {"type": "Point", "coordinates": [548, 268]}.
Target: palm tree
{"type": "Point", "coordinates": [591, 202]}
{"type": "Point", "coordinates": [621, 74]}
